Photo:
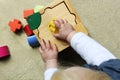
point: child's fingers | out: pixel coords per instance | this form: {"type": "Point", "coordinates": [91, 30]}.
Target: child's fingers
{"type": "Point", "coordinates": [56, 35]}
{"type": "Point", "coordinates": [40, 49]}
{"type": "Point", "coordinates": [57, 24]}
{"type": "Point", "coordinates": [61, 21]}
{"type": "Point", "coordinates": [48, 44]}
{"type": "Point", "coordinates": [65, 21]}
{"type": "Point", "coordinates": [55, 47]}
{"type": "Point", "coordinates": [41, 53]}
{"type": "Point", "coordinates": [43, 44]}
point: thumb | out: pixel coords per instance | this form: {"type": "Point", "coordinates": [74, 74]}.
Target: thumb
{"type": "Point", "coordinates": [56, 35]}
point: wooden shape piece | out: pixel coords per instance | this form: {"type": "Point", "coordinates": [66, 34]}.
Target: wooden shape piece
{"type": "Point", "coordinates": [15, 25]}
{"type": "Point", "coordinates": [52, 26]}
{"type": "Point", "coordinates": [34, 20]}
{"type": "Point", "coordinates": [38, 8]}
{"type": "Point", "coordinates": [32, 40]}
{"type": "Point", "coordinates": [58, 9]}
{"type": "Point", "coordinates": [27, 30]}
{"type": "Point", "coordinates": [28, 13]}
{"type": "Point", "coordinates": [4, 51]}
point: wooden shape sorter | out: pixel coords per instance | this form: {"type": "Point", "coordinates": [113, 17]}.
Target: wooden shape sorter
{"type": "Point", "coordinates": [57, 9]}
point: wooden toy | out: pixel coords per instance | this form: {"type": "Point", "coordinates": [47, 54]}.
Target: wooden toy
{"type": "Point", "coordinates": [38, 8]}
{"type": "Point", "coordinates": [27, 30]}
{"type": "Point", "coordinates": [34, 20]}
{"type": "Point", "coordinates": [32, 41]}
{"type": "Point", "coordinates": [57, 9]}
{"type": "Point", "coordinates": [4, 51]}
{"type": "Point", "coordinates": [15, 25]}
{"type": "Point", "coordinates": [52, 26]}
{"type": "Point", "coordinates": [28, 13]}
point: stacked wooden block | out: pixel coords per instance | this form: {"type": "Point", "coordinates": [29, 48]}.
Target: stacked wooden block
{"type": "Point", "coordinates": [31, 38]}
{"type": "Point", "coordinates": [16, 26]}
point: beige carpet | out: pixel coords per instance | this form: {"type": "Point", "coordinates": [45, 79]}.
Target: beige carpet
{"type": "Point", "coordinates": [101, 18]}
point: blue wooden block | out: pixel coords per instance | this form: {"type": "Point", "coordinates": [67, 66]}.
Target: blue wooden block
{"type": "Point", "coordinates": [33, 42]}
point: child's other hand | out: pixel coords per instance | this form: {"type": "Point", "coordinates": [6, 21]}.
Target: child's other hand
{"type": "Point", "coordinates": [65, 30]}
{"type": "Point", "coordinates": [49, 53]}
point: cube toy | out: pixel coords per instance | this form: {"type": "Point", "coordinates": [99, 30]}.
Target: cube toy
{"type": "Point", "coordinates": [27, 30]}
{"type": "Point", "coordinates": [28, 13]}
{"type": "Point", "coordinates": [4, 51]}
{"type": "Point", "coordinates": [15, 25]}
{"type": "Point", "coordinates": [57, 9]}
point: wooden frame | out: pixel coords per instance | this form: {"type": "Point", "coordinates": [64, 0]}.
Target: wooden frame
{"type": "Point", "coordinates": [58, 9]}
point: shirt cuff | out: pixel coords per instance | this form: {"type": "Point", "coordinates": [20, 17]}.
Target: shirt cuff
{"type": "Point", "coordinates": [49, 73]}
{"type": "Point", "coordinates": [76, 37]}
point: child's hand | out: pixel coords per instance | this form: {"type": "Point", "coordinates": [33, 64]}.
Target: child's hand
{"type": "Point", "coordinates": [65, 29]}
{"type": "Point", "coordinates": [49, 53]}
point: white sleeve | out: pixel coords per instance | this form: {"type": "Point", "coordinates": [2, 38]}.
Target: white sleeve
{"type": "Point", "coordinates": [91, 51]}
{"type": "Point", "coordinates": [49, 73]}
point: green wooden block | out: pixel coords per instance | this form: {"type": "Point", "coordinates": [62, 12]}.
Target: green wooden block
{"type": "Point", "coordinates": [34, 20]}
{"type": "Point", "coordinates": [38, 8]}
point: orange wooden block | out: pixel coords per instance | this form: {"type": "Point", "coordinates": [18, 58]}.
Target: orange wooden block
{"type": "Point", "coordinates": [15, 25]}
{"type": "Point", "coordinates": [28, 13]}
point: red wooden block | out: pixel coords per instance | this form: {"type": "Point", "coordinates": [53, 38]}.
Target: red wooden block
{"type": "Point", "coordinates": [28, 31]}
{"type": "Point", "coordinates": [4, 51]}
{"type": "Point", "coordinates": [28, 13]}
{"type": "Point", "coordinates": [15, 25]}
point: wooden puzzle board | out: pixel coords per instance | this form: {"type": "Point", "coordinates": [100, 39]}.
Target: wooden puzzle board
{"type": "Point", "coordinates": [58, 9]}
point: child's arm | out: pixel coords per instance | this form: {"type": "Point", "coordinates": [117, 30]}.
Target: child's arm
{"type": "Point", "coordinates": [49, 54]}
{"type": "Point", "coordinates": [91, 51]}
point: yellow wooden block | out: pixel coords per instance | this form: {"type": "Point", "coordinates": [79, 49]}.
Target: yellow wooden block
{"type": "Point", "coordinates": [58, 9]}
{"type": "Point", "coordinates": [52, 26]}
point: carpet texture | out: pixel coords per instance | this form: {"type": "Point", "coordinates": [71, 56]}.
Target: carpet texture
{"type": "Point", "coordinates": [100, 17]}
